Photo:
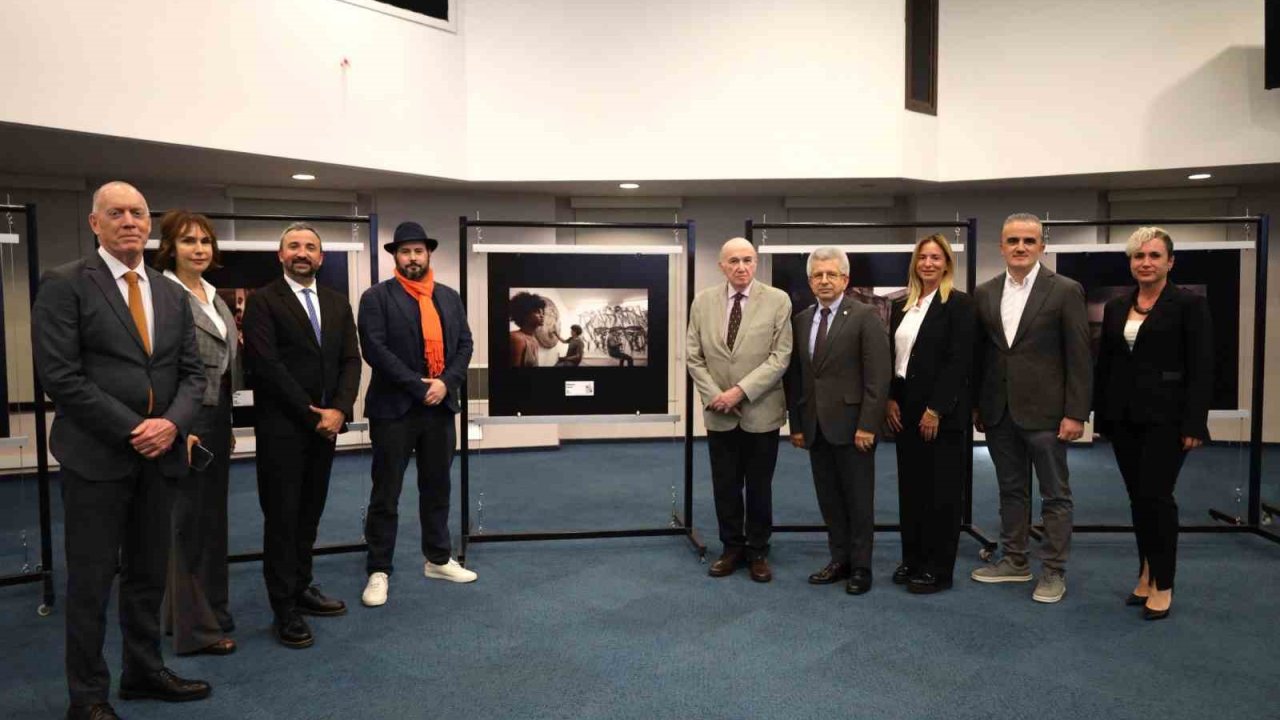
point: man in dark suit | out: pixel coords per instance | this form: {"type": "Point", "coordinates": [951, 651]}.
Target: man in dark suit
{"type": "Point", "coordinates": [115, 349]}
{"type": "Point", "coordinates": [836, 386]}
{"type": "Point", "coordinates": [1034, 373]}
{"type": "Point", "coordinates": [304, 364]}
{"type": "Point", "coordinates": [414, 334]}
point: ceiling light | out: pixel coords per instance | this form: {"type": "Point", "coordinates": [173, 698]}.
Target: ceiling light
{"type": "Point", "coordinates": [1199, 176]}
{"type": "Point", "coordinates": [303, 176]}
{"type": "Point", "coordinates": [629, 186]}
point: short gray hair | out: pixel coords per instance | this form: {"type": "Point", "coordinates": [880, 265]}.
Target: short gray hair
{"type": "Point", "coordinates": [1022, 217]}
{"type": "Point", "coordinates": [298, 226]}
{"type": "Point", "coordinates": [827, 253]}
{"type": "Point", "coordinates": [1144, 235]}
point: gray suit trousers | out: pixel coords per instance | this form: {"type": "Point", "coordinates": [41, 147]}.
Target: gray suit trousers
{"type": "Point", "coordinates": [1014, 452]}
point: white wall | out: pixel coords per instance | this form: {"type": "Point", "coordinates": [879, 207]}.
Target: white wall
{"type": "Point", "coordinates": [257, 76]}
{"type": "Point", "coordinates": [1056, 88]}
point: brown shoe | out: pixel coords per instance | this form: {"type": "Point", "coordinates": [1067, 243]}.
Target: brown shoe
{"type": "Point", "coordinates": [760, 571]}
{"type": "Point", "coordinates": [725, 565]}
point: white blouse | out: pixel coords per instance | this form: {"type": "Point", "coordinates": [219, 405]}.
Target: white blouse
{"type": "Point", "coordinates": [208, 307]}
{"type": "Point", "coordinates": [1131, 331]}
{"type": "Point", "coordinates": [905, 338]}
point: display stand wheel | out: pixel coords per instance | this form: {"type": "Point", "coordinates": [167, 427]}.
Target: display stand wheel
{"type": "Point", "coordinates": [44, 610]}
{"type": "Point", "coordinates": [985, 554]}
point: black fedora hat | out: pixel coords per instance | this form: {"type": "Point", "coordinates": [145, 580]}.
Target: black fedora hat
{"type": "Point", "coordinates": [410, 231]}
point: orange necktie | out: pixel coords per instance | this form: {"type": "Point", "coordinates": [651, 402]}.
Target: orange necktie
{"type": "Point", "coordinates": [140, 321]}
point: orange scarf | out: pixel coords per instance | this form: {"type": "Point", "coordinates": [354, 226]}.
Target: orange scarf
{"type": "Point", "coordinates": [432, 331]}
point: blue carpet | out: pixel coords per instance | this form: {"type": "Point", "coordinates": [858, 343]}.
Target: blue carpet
{"type": "Point", "coordinates": [634, 628]}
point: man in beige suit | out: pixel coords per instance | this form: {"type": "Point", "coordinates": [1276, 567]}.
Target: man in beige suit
{"type": "Point", "coordinates": [739, 348]}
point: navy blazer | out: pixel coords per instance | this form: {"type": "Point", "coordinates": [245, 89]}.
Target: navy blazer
{"type": "Point", "coordinates": [1168, 376]}
{"type": "Point", "coordinates": [940, 368]}
{"type": "Point", "coordinates": [391, 340]}
{"type": "Point", "coordinates": [91, 362]}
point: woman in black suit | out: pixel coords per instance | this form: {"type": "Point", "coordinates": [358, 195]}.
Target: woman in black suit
{"type": "Point", "coordinates": [196, 594]}
{"type": "Point", "coordinates": [1152, 385]}
{"type": "Point", "coordinates": [931, 335]}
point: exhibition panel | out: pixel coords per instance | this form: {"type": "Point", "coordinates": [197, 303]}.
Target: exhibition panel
{"type": "Point", "coordinates": [578, 429]}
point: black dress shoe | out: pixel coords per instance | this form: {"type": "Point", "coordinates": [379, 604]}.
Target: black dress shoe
{"type": "Point", "coordinates": [101, 711]}
{"type": "Point", "coordinates": [725, 564]}
{"type": "Point", "coordinates": [313, 602]}
{"type": "Point", "coordinates": [164, 685]}
{"type": "Point", "coordinates": [1149, 614]}
{"type": "Point", "coordinates": [926, 583]}
{"type": "Point", "coordinates": [859, 581]}
{"type": "Point", "coordinates": [294, 632]}
{"type": "Point", "coordinates": [1134, 600]}
{"type": "Point", "coordinates": [902, 575]}
{"type": "Point", "coordinates": [833, 572]}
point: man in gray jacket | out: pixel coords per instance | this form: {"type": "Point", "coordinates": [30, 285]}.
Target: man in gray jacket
{"type": "Point", "coordinates": [739, 347]}
{"type": "Point", "coordinates": [1034, 372]}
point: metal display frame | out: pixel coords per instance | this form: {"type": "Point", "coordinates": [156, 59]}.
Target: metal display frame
{"type": "Point", "coordinates": [44, 570]}
{"type": "Point", "coordinates": [1227, 523]}
{"type": "Point", "coordinates": [680, 525]}
{"type": "Point", "coordinates": [970, 227]}
{"type": "Point", "coordinates": [371, 220]}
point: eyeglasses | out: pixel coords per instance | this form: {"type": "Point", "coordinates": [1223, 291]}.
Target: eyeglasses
{"type": "Point", "coordinates": [826, 276]}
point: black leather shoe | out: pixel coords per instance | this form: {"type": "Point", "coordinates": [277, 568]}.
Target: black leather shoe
{"type": "Point", "coordinates": [1135, 600]}
{"type": "Point", "coordinates": [725, 564]}
{"type": "Point", "coordinates": [313, 602]}
{"type": "Point", "coordinates": [859, 581]}
{"type": "Point", "coordinates": [1149, 614]}
{"type": "Point", "coordinates": [926, 583]}
{"type": "Point", "coordinates": [833, 572]}
{"type": "Point", "coordinates": [101, 711]}
{"type": "Point", "coordinates": [902, 575]}
{"type": "Point", "coordinates": [164, 685]}
{"type": "Point", "coordinates": [294, 632]}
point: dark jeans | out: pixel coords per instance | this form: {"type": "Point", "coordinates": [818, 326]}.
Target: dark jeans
{"type": "Point", "coordinates": [1150, 458]}
{"type": "Point", "coordinates": [1014, 452]}
{"type": "Point", "coordinates": [293, 484]}
{"type": "Point", "coordinates": [930, 478]}
{"type": "Point", "coordinates": [743, 461]}
{"type": "Point", "coordinates": [844, 479]}
{"type": "Point", "coordinates": [122, 523]}
{"type": "Point", "coordinates": [429, 433]}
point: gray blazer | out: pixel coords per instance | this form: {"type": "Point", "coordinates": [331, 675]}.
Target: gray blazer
{"type": "Point", "coordinates": [845, 386]}
{"type": "Point", "coordinates": [1047, 373]}
{"type": "Point", "coordinates": [213, 349]}
{"type": "Point", "coordinates": [756, 364]}
{"type": "Point", "coordinates": [91, 362]}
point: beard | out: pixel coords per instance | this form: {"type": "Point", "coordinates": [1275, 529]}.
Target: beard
{"type": "Point", "coordinates": [413, 271]}
{"type": "Point", "coordinates": [303, 268]}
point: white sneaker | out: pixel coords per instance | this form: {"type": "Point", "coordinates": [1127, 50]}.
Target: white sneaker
{"type": "Point", "coordinates": [375, 593]}
{"type": "Point", "coordinates": [451, 571]}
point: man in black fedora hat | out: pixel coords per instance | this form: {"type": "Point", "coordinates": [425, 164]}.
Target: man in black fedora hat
{"type": "Point", "coordinates": [414, 334]}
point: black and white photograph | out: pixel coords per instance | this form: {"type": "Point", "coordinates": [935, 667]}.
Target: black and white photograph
{"type": "Point", "coordinates": [579, 327]}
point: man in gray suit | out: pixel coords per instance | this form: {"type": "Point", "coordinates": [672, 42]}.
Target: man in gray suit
{"type": "Point", "coordinates": [739, 347]}
{"type": "Point", "coordinates": [836, 390]}
{"type": "Point", "coordinates": [115, 349]}
{"type": "Point", "coordinates": [1035, 370]}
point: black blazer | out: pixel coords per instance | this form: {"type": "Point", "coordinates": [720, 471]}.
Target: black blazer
{"type": "Point", "coordinates": [285, 366]}
{"type": "Point", "coordinates": [91, 362]}
{"type": "Point", "coordinates": [391, 340]}
{"type": "Point", "coordinates": [938, 373]}
{"type": "Point", "coordinates": [1168, 376]}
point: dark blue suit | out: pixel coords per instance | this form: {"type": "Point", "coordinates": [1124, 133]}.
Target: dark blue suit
{"type": "Point", "coordinates": [400, 424]}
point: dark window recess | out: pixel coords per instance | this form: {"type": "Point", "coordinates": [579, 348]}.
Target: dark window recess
{"type": "Point", "coordinates": [438, 9]}
{"type": "Point", "coordinates": [922, 56]}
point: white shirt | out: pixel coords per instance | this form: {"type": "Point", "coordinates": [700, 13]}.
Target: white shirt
{"type": "Point", "coordinates": [728, 307]}
{"type": "Point", "coordinates": [209, 308]}
{"type": "Point", "coordinates": [905, 338]}
{"type": "Point", "coordinates": [817, 320]}
{"type": "Point", "coordinates": [1131, 327]}
{"type": "Point", "coordinates": [118, 269]}
{"type": "Point", "coordinates": [1014, 301]}
{"type": "Point", "coordinates": [297, 289]}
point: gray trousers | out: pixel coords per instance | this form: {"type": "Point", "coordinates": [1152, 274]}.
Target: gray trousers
{"type": "Point", "coordinates": [1014, 452]}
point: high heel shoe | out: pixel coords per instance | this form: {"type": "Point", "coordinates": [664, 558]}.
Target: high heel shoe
{"type": "Point", "coordinates": [1149, 614]}
{"type": "Point", "coordinates": [1134, 600]}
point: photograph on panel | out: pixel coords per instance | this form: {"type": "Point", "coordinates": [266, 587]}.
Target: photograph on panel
{"type": "Point", "coordinates": [578, 327]}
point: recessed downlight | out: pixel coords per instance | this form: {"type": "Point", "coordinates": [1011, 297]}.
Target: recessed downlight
{"type": "Point", "coordinates": [303, 176]}
{"type": "Point", "coordinates": [629, 186]}
{"type": "Point", "coordinates": [1200, 176]}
